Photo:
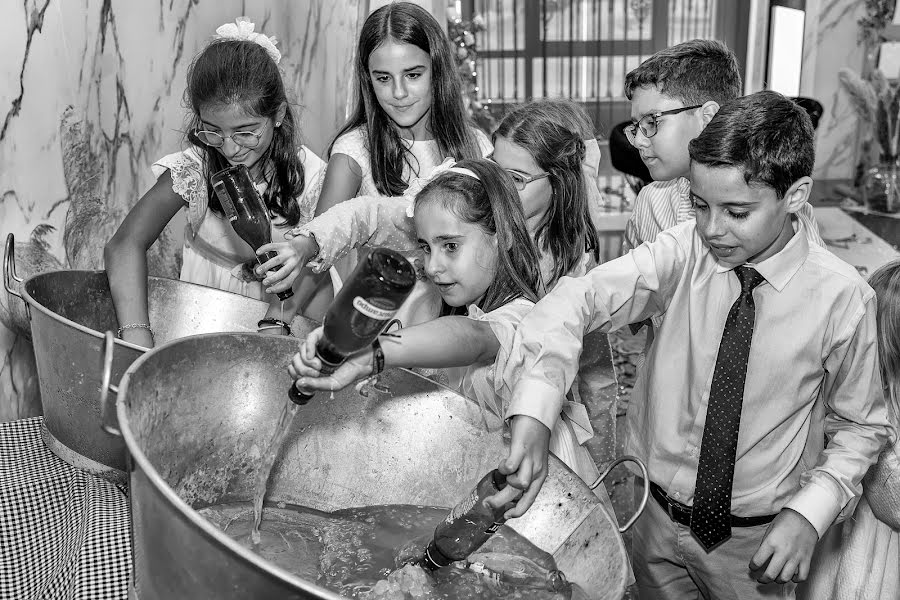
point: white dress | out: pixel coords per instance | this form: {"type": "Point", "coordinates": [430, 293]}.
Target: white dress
{"type": "Point", "coordinates": [214, 254]}
{"type": "Point", "coordinates": [423, 303]}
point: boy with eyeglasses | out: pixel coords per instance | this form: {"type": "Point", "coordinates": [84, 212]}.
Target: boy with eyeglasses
{"type": "Point", "coordinates": [766, 342]}
{"type": "Point", "coordinates": [674, 94]}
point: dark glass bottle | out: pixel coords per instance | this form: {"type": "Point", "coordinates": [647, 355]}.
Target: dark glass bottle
{"type": "Point", "coordinates": [469, 525]}
{"type": "Point", "coordinates": [371, 296]}
{"type": "Point", "coordinates": [245, 209]}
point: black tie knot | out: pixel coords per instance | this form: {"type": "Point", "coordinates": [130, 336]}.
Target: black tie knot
{"type": "Point", "coordinates": [749, 278]}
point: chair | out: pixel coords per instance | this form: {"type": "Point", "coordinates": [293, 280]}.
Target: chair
{"type": "Point", "coordinates": [812, 107]}
{"type": "Point", "coordinates": [626, 159]}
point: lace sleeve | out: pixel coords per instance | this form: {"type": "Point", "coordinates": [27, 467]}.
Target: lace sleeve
{"type": "Point", "coordinates": [186, 170]}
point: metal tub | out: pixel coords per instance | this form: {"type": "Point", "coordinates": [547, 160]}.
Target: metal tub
{"type": "Point", "coordinates": [195, 414]}
{"type": "Point", "coordinates": [69, 313]}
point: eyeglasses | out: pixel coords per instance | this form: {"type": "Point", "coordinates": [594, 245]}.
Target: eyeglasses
{"type": "Point", "coordinates": [649, 124]}
{"type": "Point", "coordinates": [521, 179]}
{"type": "Point", "coordinates": [245, 139]}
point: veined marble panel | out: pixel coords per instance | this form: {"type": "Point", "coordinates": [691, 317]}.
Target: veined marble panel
{"type": "Point", "coordinates": [830, 43]}
{"type": "Point", "coordinates": [91, 94]}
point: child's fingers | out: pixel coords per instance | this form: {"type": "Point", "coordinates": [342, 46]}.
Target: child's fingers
{"type": "Point", "coordinates": [504, 496]}
{"type": "Point", "coordinates": [305, 365]}
{"type": "Point", "coordinates": [270, 247]}
{"type": "Point", "coordinates": [788, 571]}
{"type": "Point", "coordinates": [773, 571]}
{"type": "Point", "coordinates": [322, 384]}
{"type": "Point", "coordinates": [513, 460]}
{"type": "Point", "coordinates": [527, 498]}
{"type": "Point", "coordinates": [802, 571]}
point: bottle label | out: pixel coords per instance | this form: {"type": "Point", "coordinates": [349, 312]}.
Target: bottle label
{"type": "Point", "coordinates": [372, 311]}
{"type": "Point", "coordinates": [493, 528]}
{"type": "Point", "coordinates": [463, 507]}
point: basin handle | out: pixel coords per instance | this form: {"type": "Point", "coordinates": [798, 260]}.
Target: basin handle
{"type": "Point", "coordinates": [105, 385]}
{"type": "Point", "coordinates": [9, 266]}
{"type": "Point", "coordinates": [644, 497]}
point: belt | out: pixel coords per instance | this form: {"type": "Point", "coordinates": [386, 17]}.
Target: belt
{"type": "Point", "coordinates": [681, 513]}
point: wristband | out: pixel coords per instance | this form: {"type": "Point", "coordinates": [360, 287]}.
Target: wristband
{"type": "Point", "coordinates": [274, 323]}
{"type": "Point", "coordinates": [134, 326]}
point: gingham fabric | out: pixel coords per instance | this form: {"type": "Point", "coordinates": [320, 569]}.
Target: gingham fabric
{"type": "Point", "coordinates": [64, 534]}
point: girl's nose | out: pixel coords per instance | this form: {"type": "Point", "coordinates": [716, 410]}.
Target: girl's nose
{"type": "Point", "coordinates": [399, 89]}
{"type": "Point", "coordinates": [433, 266]}
{"type": "Point", "coordinates": [230, 149]}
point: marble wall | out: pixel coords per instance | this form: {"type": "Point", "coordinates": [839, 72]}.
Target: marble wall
{"type": "Point", "coordinates": [829, 45]}
{"type": "Point", "coordinates": [91, 95]}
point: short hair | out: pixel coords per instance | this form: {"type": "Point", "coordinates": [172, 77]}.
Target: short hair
{"type": "Point", "coordinates": [766, 135]}
{"type": "Point", "coordinates": [693, 72]}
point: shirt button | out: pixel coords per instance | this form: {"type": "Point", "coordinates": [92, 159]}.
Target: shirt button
{"type": "Point", "coordinates": [693, 453]}
{"type": "Point", "coordinates": [677, 495]}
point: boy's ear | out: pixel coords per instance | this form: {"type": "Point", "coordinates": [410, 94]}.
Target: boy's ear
{"type": "Point", "coordinates": [708, 111]}
{"type": "Point", "coordinates": [797, 195]}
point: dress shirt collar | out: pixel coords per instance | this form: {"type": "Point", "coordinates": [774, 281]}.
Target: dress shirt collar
{"type": "Point", "coordinates": [780, 268]}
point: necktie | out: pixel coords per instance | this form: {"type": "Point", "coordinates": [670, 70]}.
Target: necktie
{"type": "Point", "coordinates": [711, 514]}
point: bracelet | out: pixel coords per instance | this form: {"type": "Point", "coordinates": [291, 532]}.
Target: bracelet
{"type": "Point", "coordinates": [274, 323]}
{"type": "Point", "coordinates": [134, 326]}
{"type": "Point", "coordinates": [377, 357]}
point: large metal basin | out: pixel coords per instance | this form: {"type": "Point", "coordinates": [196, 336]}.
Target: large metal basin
{"type": "Point", "coordinates": [69, 313]}
{"type": "Point", "coordinates": [196, 412]}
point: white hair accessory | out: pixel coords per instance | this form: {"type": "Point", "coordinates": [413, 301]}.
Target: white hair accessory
{"type": "Point", "coordinates": [242, 29]}
{"type": "Point", "coordinates": [463, 171]}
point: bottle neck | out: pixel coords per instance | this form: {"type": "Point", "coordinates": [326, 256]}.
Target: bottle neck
{"type": "Point", "coordinates": [434, 559]}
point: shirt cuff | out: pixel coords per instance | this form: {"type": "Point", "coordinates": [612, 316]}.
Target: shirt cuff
{"type": "Point", "coordinates": [537, 399]}
{"type": "Point", "coordinates": [817, 504]}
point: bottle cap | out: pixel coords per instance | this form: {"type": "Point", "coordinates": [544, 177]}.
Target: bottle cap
{"type": "Point", "coordinates": [298, 397]}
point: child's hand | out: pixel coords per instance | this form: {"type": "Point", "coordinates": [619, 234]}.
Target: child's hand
{"type": "Point", "coordinates": [526, 464]}
{"type": "Point", "coordinates": [281, 272]}
{"type": "Point", "coordinates": [306, 368]}
{"type": "Point", "coordinates": [788, 547]}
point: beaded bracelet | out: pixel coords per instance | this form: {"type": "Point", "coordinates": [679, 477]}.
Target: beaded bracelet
{"type": "Point", "coordinates": [377, 357]}
{"type": "Point", "coordinates": [134, 326]}
{"type": "Point", "coordinates": [273, 322]}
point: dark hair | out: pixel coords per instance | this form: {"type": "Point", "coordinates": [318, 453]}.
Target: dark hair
{"type": "Point", "coordinates": [766, 135]}
{"type": "Point", "coordinates": [492, 203]}
{"type": "Point", "coordinates": [241, 72]}
{"type": "Point", "coordinates": [407, 23]}
{"type": "Point", "coordinates": [553, 132]}
{"type": "Point", "coordinates": [693, 72]}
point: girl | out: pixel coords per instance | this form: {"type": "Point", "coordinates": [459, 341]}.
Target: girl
{"type": "Point", "coordinates": [240, 116]}
{"type": "Point", "coordinates": [480, 255]}
{"type": "Point", "coordinates": [860, 558]}
{"type": "Point", "coordinates": [539, 149]}
{"type": "Point", "coordinates": [541, 145]}
{"type": "Point", "coordinates": [409, 115]}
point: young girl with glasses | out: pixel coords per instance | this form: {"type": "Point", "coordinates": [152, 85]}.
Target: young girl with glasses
{"type": "Point", "coordinates": [240, 115]}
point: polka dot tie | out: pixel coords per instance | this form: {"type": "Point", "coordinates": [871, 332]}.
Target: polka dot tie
{"type": "Point", "coordinates": [711, 514]}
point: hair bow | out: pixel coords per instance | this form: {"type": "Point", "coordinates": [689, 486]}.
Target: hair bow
{"type": "Point", "coordinates": [242, 29]}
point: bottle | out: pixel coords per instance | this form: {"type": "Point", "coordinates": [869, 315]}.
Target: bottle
{"type": "Point", "coordinates": [245, 209]}
{"type": "Point", "coordinates": [469, 525]}
{"type": "Point", "coordinates": [373, 293]}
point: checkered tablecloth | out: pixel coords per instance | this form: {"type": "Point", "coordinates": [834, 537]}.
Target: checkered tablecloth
{"type": "Point", "coordinates": [64, 534]}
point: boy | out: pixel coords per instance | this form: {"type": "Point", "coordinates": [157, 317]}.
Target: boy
{"type": "Point", "coordinates": [674, 94]}
{"type": "Point", "coordinates": [722, 424]}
